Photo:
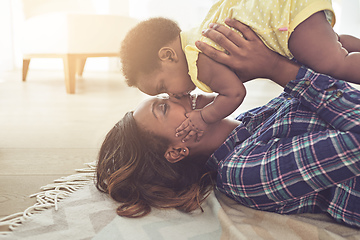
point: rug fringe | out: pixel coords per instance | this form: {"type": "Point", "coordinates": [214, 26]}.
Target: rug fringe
{"type": "Point", "coordinates": [50, 195]}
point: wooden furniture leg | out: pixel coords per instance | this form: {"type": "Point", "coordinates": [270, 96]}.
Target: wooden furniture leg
{"type": "Point", "coordinates": [80, 66]}
{"type": "Point", "coordinates": [25, 68]}
{"type": "Point", "coordinates": [70, 71]}
{"type": "Point", "coordinates": [73, 64]}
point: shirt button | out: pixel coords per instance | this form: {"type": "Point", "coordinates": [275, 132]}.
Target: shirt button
{"type": "Point", "coordinates": [307, 82]}
{"type": "Point", "coordinates": [339, 93]}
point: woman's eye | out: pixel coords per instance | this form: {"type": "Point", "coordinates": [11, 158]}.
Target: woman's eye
{"type": "Point", "coordinates": [163, 107]}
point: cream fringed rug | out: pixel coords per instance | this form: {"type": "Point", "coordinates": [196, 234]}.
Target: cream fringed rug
{"type": "Point", "coordinates": [85, 213]}
{"type": "Point", "coordinates": [72, 208]}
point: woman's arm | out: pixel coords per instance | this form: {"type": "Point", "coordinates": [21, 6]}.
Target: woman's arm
{"type": "Point", "coordinates": [293, 167]}
{"type": "Point", "coordinates": [247, 56]}
{"type": "Point", "coordinates": [290, 168]}
{"type": "Point", "coordinates": [335, 101]}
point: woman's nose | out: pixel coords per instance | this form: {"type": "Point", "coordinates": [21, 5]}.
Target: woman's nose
{"type": "Point", "coordinates": [174, 98]}
{"type": "Point", "coordinates": [183, 100]}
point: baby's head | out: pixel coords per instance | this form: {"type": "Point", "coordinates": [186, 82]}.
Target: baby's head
{"type": "Point", "coordinates": [152, 58]}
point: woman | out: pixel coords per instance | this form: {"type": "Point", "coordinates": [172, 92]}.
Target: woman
{"type": "Point", "coordinates": [299, 153]}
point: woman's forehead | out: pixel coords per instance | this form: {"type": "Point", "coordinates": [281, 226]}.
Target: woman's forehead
{"type": "Point", "coordinates": [147, 102]}
{"type": "Point", "coordinates": [144, 104]}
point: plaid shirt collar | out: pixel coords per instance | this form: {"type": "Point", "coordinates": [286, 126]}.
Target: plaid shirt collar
{"type": "Point", "coordinates": [237, 136]}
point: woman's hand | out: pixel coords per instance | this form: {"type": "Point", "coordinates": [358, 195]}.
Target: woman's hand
{"type": "Point", "coordinates": [247, 56]}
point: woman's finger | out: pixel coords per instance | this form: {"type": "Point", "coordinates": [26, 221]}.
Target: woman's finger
{"type": "Point", "coordinates": [212, 53]}
{"type": "Point", "coordinates": [248, 34]}
{"type": "Point", "coordinates": [225, 37]}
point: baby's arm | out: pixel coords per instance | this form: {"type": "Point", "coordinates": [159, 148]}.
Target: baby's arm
{"type": "Point", "coordinates": [225, 82]}
{"type": "Point", "coordinates": [231, 93]}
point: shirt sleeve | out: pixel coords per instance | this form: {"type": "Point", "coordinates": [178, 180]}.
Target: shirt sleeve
{"type": "Point", "coordinates": [294, 167]}
{"type": "Point", "coordinates": [289, 168]}
{"type": "Point", "coordinates": [340, 108]}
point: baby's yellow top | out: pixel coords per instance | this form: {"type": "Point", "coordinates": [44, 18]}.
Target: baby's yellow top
{"type": "Point", "coordinates": [272, 20]}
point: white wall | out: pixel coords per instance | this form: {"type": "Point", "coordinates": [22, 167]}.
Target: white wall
{"type": "Point", "coordinates": [188, 13]}
{"type": "Point", "coordinates": [6, 39]}
{"type": "Point", "coordinates": [140, 9]}
{"type": "Point", "coordinates": [349, 18]}
{"type": "Point", "coordinates": [347, 11]}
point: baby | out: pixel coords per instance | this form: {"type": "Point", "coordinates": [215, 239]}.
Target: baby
{"type": "Point", "coordinates": [157, 57]}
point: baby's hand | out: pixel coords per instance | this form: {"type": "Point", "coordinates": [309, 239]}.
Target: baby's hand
{"type": "Point", "coordinates": [193, 125]}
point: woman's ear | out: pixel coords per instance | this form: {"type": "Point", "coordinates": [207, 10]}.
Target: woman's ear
{"type": "Point", "coordinates": [175, 154]}
{"type": "Point", "coordinates": [167, 54]}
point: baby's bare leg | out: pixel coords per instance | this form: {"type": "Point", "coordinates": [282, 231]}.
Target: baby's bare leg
{"type": "Point", "coordinates": [315, 44]}
{"type": "Point", "coordinates": [350, 43]}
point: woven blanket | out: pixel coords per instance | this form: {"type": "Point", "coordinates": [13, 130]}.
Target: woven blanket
{"type": "Point", "coordinates": [86, 213]}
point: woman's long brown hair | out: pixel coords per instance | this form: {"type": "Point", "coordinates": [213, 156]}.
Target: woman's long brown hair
{"type": "Point", "coordinates": [132, 169]}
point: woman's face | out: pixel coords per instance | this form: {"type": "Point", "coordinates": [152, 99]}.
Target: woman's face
{"type": "Point", "coordinates": [162, 115]}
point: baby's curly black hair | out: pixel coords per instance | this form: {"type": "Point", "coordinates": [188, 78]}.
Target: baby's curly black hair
{"type": "Point", "coordinates": [139, 49]}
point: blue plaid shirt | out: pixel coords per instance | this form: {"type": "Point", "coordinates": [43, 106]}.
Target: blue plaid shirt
{"type": "Point", "coordinates": [299, 153]}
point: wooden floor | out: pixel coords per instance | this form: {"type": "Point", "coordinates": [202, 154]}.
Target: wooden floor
{"type": "Point", "coordinates": [46, 133]}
